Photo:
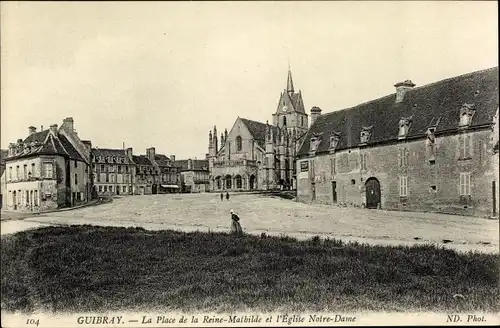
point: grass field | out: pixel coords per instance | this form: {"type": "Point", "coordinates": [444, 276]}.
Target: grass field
{"type": "Point", "coordinates": [87, 268]}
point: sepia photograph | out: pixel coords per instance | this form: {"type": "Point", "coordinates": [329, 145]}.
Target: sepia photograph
{"type": "Point", "coordinates": [249, 163]}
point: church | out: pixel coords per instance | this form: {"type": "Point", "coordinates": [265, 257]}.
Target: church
{"type": "Point", "coordinates": [259, 156]}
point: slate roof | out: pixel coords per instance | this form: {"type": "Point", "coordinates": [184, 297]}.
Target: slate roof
{"type": "Point", "coordinates": [258, 131]}
{"type": "Point", "coordinates": [48, 144]}
{"type": "Point", "coordinates": [440, 101]}
{"type": "Point", "coordinates": [197, 165]}
{"type": "Point", "coordinates": [107, 152]}
{"type": "Point", "coordinates": [141, 160]}
{"type": "Point", "coordinates": [163, 160]}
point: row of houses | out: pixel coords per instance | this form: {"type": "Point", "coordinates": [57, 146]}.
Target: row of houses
{"type": "Point", "coordinates": [54, 168]}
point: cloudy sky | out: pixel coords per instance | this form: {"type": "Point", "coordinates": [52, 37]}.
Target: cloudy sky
{"type": "Point", "coordinates": [163, 73]}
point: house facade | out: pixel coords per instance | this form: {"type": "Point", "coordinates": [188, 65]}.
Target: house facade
{"type": "Point", "coordinates": [194, 175]}
{"type": "Point", "coordinates": [430, 148]}
{"type": "Point", "coordinates": [114, 171]}
{"type": "Point", "coordinates": [256, 155]}
{"type": "Point", "coordinates": [47, 170]}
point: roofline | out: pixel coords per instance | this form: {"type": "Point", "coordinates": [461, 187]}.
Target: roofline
{"type": "Point", "coordinates": [395, 141]}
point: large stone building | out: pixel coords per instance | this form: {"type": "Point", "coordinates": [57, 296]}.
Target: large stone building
{"type": "Point", "coordinates": [119, 172]}
{"type": "Point", "coordinates": [430, 148]}
{"type": "Point", "coordinates": [114, 171]}
{"type": "Point", "coordinates": [195, 177]}
{"type": "Point", "coordinates": [48, 170]}
{"type": "Point", "coordinates": [255, 155]}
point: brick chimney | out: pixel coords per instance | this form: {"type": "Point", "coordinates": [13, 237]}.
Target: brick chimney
{"type": "Point", "coordinates": [315, 112]}
{"type": "Point", "coordinates": [68, 124]}
{"type": "Point", "coordinates": [190, 164]}
{"type": "Point", "coordinates": [172, 158]}
{"type": "Point", "coordinates": [31, 130]}
{"type": "Point", "coordinates": [402, 88]}
{"type": "Point", "coordinates": [150, 153]}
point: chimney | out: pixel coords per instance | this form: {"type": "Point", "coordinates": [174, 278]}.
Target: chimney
{"type": "Point", "coordinates": [68, 124]}
{"type": "Point", "coordinates": [41, 128]}
{"type": "Point", "coordinates": [53, 129]}
{"type": "Point", "coordinates": [190, 164]}
{"type": "Point", "coordinates": [172, 158]}
{"type": "Point", "coordinates": [31, 130]}
{"type": "Point", "coordinates": [129, 152]}
{"type": "Point", "coordinates": [150, 153]}
{"type": "Point", "coordinates": [402, 88]}
{"type": "Point", "coordinates": [12, 149]}
{"type": "Point", "coordinates": [315, 113]}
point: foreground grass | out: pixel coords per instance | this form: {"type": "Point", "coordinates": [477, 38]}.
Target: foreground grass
{"type": "Point", "coordinates": [87, 268]}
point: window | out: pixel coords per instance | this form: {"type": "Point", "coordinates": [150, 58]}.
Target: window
{"type": "Point", "coordinates": [433, 188]}
{"type": "Point", "coordinates": [76, 179]}
{"type": "Point", "coordinates": [113, 178]}
{"type": "Point", "coordinates": [76, 164]}
{"type": "Point", "coordinates": [465, 146]}
{"type": "Point", "coordinates": [100, 188]}
{"type": "Point", "coordinates": [284, 120]}
{"type": "Point", "coordinates": [110, 188]}
{"type": "Point", "coordinates": [124, 188]}
{"type": "Point", "coordinates": [130, 189]}
{"type": "Point", "coordinates": [334, 166]}
{"type": "Point", "coordinates": [107, 178]}
{"type": "Point", "coordinates": [33, 170]}
{"type": "Point", "coordinates": [18, 176]}
{"type": "Point", "coordinates": [25, 171]}
{"type": "Point", "coordinates": [363, 161]}
{"type": "Point", "coordinates": [403, 186]}
{"type": "Point", "coordinates": [353, 182]}
{"type": "Point", "coordinates": [465, 184]}
{"type": "Point", "coordinates": [105, 188]}
{"type": "Point", "coordinates": [10, 173]}
{"type": "Point", "coordinates": [126, 169]}
{"type": "Point", "coordinates": [119, 169]}
{"type": "Point", "coordinates": [48, 170]}
{"type": "Point", "coordinates": [403, 157]}
{"type": "Point", "coordinates": [102, 167]}
{"type": "Point", "coordinates": [35, 197]}
{"type": "Point", "coordinates": [239, 145]}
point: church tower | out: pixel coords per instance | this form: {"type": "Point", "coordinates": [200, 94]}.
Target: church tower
{"type": "Point", "coordinates": [290, 113]}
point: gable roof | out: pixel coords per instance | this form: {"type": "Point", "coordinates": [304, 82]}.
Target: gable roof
{"type": "Point", "coordinates": [46, 143]}
{"type": "Point", "coordinates": [108, 152]}
{"type": "Point", "coordinates": [196, 165]}
{"type": "Point", "coordinates": [437, 102]}
{"type": "Point", "coordinates": [258, 131]}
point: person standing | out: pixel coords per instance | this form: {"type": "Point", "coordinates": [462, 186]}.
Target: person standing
{"type": "Point", "coordinates": [221, 196]}
{"type": "Point", "coordinates": [227, 196]}
{"type": "Point", "coordinates": [235, 224]}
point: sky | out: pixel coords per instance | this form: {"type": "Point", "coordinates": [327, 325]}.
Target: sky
{"type": "Point", "coordinates": [162, 74]}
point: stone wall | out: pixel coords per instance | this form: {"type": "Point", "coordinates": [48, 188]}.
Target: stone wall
{"type": "Point", "coordinates": [432, 186]}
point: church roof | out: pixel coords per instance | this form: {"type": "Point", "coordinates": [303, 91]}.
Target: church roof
{"type": "Point", "coordinates": [438, 102]}
{"type": "Point", "coordinates": [258, 131]}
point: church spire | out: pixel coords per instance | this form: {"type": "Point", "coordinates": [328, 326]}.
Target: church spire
{"type": "Point", "coordinates": [289, 82]}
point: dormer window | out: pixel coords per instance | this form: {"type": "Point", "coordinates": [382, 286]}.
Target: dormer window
{"type": "Point", "coordinates": [404, 126]}
{"type": "Point", "coordinates": [466, 113]}
{"type": "Point", "coordinates": [315, 141]}
{"type": "Point", "coordinates": [431, 137]}
{"type": "Point", "coordinates": [334, 140]}
{"type": "Point", "coordinates": [366, 133]}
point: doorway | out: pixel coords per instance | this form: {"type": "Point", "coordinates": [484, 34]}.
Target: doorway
{"type": "Point", "coordinates": [372, 193]}
{"type": "Point", "coordinates": [334, 191]}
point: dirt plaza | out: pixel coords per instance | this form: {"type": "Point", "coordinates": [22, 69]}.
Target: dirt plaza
{"type": "Point", "coordinates": [276, 216]}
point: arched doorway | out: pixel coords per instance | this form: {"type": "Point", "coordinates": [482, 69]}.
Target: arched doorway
{"type": "Point", "coordinates": [238, 182]}
{"type": "Point", "coordinates": [372, 193]}
{"type": "Point", "coordinates": [218, 184]}
{"type": "Point", "coordinates": [252, 182]}
{"type": "Point", "coordinates": [154, 189]}
{"type": "Point", "coordinates": [228, 182]}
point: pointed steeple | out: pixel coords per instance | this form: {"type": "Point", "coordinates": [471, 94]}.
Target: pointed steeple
{"type": "Point", "coordinates": [289, 82]}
